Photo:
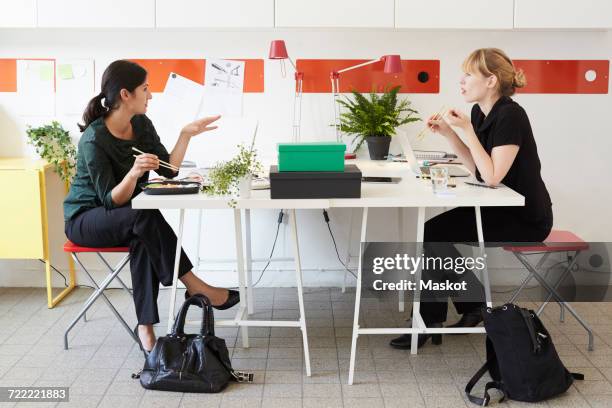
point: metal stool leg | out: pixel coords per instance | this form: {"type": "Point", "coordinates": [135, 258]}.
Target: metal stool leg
{"type": "Point", "coordinates": [125, 287]}
{"type": "Point", "coordinates": [529, 277]}
{"type": "Point", "coordinates": [555, 295]}
{"type": "Point", "coordinates": [563, 275]}
{"type": "Point", "coordinates": [99, 292]}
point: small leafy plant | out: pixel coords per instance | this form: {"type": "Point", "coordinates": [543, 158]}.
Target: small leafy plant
{"type": "Point", "coordinates": [378, 115]}
{"type": "Point", "coordinates": [225, 176]}
{"type": "Point", "coordinates": [53, 144]}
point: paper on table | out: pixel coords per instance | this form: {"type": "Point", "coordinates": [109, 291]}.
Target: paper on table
{"type": "Point", "coordinates": [223, 88]}
{"type": "Point", "coordinates": [75, 85]}
{"type": "Point", "coordinates": [35, 88]}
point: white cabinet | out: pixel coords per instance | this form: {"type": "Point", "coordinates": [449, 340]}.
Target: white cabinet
{"type": "Point", "coordinates": [334, 13]}
{"type": "Point", "coordinates": [17, 13]}
{"type": "Point", "coordinates": [215, 13]}
{"type": "Point", "coordinates": [563, 14]}
{"type": "Point", "coordinates": [454, 14]}
{"type": "Point", "coordinates": [96, 13]}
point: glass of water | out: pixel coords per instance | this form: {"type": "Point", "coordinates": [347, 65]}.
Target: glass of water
{"type": "Point", "coordinates": [439, 178]}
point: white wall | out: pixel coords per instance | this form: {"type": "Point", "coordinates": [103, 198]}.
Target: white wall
{"type": "Point", "coordinates": [572, 131]}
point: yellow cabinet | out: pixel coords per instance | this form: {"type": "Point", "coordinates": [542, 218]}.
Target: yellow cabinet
{"type": "Point", "coordinates": [24, 216]}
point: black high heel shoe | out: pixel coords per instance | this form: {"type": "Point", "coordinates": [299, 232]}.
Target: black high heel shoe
{"type": "Point", "coordinates": [233, 297]}
{"type": "Point", "coordinates": [404, 342]}
{"type": "Point", "coordinates": [145, 352]}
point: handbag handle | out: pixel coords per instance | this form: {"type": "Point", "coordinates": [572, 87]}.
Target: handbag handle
{"type": "Point", "coordinates": [208, 323]}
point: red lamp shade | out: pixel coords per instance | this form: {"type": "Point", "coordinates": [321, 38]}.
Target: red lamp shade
{"type": "Point", "coordinates": [393, 64]}
{"type": "Point", "coordinates": [278, 50]}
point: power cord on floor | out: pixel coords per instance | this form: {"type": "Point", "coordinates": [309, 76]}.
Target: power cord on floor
{"type": "Point", "coordinates": [326, 216]}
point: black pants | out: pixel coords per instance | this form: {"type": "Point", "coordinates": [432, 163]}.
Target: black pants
{"type": "Point", "coordinates": [500, 226]}
{"type": "Point", "coordinates": [152, 246]}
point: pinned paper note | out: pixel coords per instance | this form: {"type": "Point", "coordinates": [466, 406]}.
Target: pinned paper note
{"type": "Point", "coordinates": [35, 88]}
{"type": "Point", "coordinates": [75, 86]}
{"type": "Point", "coordinates": [223, 88]}
{"type": "Point", "coordinates": [65, 71]}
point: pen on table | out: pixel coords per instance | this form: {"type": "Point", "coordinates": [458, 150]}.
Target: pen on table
{"type": "Point", "coordinates": [480, 185]}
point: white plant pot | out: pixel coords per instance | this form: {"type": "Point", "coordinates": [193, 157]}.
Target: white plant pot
{"type": "Point", "coordinates": [244, 186]}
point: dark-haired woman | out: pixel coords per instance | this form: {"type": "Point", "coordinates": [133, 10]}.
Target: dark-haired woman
{"type": "Point", "coordinates": [498, 146]}
{"type": "Point", "coordinates": [97, 210]}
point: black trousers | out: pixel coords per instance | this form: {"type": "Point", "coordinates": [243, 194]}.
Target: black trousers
{"type": "Point", "coordinates": [152, 244]}
{"type": "Point", "coordinates": [500, 225]}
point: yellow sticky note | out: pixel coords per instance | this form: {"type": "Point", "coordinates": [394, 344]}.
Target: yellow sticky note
{"type": "Point", "coordinates": [65, 71]}
{"type": "Point", "coordinates": [46, 72]}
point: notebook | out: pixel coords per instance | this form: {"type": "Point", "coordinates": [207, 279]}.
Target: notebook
{"type": "Point", "coordinates": [433, 154]}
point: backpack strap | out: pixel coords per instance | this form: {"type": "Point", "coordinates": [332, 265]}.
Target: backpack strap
{"type": "Point", "coordinates": [484, 401]}
{"type": "Point", "coordinates": [535, 340]}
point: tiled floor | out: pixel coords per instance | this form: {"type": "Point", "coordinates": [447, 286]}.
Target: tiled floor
{"type": "Point", "coordinates": [102, 357]}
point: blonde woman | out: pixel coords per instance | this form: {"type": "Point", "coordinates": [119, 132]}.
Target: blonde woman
{"type": "Point", "coordinates": [496, 143]}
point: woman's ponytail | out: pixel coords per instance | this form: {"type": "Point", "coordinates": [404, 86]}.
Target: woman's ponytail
{"type": "Point", "coordinates": [94, 110]}
{"type": "Point", "coordinates": [120, 74]}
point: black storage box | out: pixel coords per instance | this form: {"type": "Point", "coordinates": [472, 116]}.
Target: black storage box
{"type": "Point", "coordinates": [316, 184]}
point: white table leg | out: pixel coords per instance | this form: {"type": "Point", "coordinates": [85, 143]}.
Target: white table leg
{"type": "Point", "coordinates": [249, 261]}
{"type": "Point", "coordinates": [240, 265]}
{"type": "Point", "coordinates": [364, 223]}
{"type": "Point", "coordinates": [400, 236]}
{"type": "Point", "coordinates": [199, 238]}
{"type": "Point", "coordinates": [348, 249]}
{"type": "Point", "coordinates": [177, 259]}
{"type": "Point", "coordinates": [300, 290]}
{"type": "Point", "coordinates": [485, 270]}
{"type": "Point", "coordinates": [416, 303]}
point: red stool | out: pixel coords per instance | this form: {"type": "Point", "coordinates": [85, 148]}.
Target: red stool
{"type": "Point", "coordinates": [557, 241]}
{"type": "Point", "coordinates": [74, 249]}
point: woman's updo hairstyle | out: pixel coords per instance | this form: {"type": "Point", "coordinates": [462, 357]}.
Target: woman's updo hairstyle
{"type": "Point", "coordinates": [120, 74]}
{"type": "Point", "coordinates": [493, 61]}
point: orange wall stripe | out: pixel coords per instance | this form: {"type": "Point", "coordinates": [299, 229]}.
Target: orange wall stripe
{"type": "Point", "coordinates": [8, 75]}
{"type": "Point", "coordinates": [417, 76]}
{"type": "Point", "coordinates": [195, 69]}
{"type": "Point", "coordinates": [159, 69]}
{"type": "Point", "coordinates": [564, 76]}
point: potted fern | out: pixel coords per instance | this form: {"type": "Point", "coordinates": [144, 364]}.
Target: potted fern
{"type": "Point", "coordinates": [375, 119]}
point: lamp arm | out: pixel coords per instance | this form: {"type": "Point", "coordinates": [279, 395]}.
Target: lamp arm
{"type": "Point", "coordinates": [358, 65]}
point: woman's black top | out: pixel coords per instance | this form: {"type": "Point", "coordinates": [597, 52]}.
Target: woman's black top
{"type": "Point", "coordinates": [103, 160]}
{"type": "Point", "coordinates": [508, 124]}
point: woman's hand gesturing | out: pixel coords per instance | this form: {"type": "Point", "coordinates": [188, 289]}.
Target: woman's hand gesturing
{"type": "Point", "coordinates": [199, 126]}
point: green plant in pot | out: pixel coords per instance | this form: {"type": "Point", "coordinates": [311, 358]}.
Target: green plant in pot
{"type": "Point", "coordinates": [53, 144]}
{"type": "Point", "coordinates": [233, 177]}
{"type": "Point", "coordinates": [375, 119]}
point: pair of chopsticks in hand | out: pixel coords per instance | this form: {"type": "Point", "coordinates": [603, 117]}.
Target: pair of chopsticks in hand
{"type": "Point", "coordinates": [161, 162]}
{"type": "Point", "coordinates": [440, 114]}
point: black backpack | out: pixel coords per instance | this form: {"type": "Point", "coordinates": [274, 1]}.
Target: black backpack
{"type": "Point", "coordinates": [521, 358]}
{"type": "Point", "coordinates": [190, 362]}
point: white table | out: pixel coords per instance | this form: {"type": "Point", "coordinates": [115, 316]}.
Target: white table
{"type": "Point", "coordinates": [410, 192]}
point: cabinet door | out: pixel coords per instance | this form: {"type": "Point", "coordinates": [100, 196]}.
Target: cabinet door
{"type": "Point", "coordinates": [214, 13]}
{"type": "Point", "coordinates": [20, 13]}
{"type": "Point", "coordinates": [96, 13]}
{"type": "Point", "coordinates": [563, 14]}
{"type": "Point", "coordinates": [453, 14]}
{"type": "Point", "coordinates": [21, 227]}
{"type": "Point", "coordinates": [334, 13]}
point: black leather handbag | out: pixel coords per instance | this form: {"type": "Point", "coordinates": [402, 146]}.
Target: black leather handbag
{"type": "Point", "coordinates": [190, 362]}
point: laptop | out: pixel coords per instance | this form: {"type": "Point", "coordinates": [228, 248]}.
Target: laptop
{"type": "Point", "coordinates": [453, 170]}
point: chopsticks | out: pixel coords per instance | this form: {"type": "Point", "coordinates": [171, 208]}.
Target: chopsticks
{"type": "Point", "coordinates": [439, 114]}
{"type": "Point", "coordinates": [161, 162]}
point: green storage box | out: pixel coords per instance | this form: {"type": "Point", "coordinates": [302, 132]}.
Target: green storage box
{"type": "Point", "coordinates": [318, 156]}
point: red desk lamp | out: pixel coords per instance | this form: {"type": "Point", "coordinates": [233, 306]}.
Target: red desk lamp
{"type": "Point", "coordinates": [278, 51]}
{"type": "Point", "coordinates": [393, 65]}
